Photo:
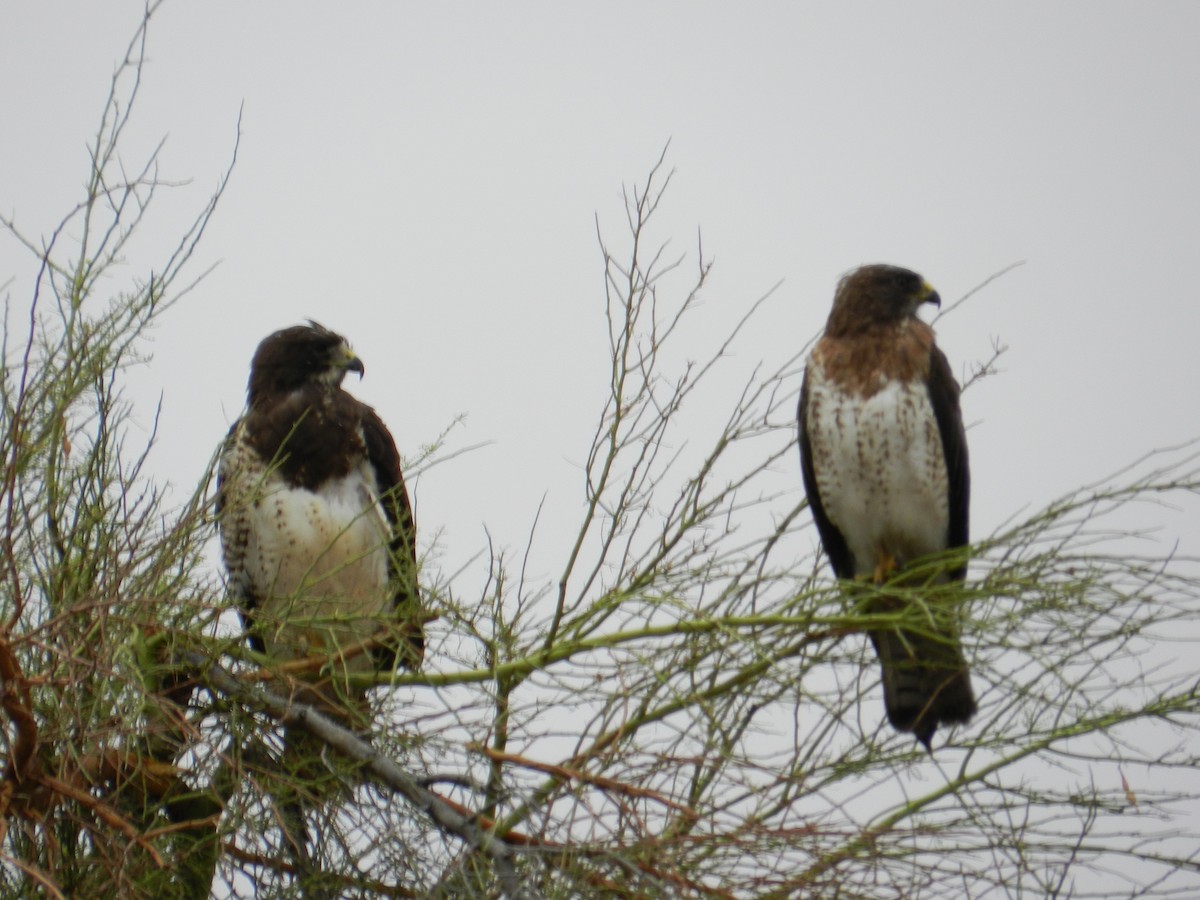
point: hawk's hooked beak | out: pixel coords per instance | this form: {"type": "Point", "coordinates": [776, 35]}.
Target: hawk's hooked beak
{"type": "Point", "coordinates": [929, 295]}
{"type": "Point", "coordinates": [351, 363]}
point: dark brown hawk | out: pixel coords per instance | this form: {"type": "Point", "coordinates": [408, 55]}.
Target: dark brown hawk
{"type": "Point", "coordinates": [884, 457]}
{"type": "Point", "coordinates": [316, 527]}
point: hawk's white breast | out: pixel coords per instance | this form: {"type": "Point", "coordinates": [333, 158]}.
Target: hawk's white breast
{"type": "Point", "coordinates": [879, 467]}
{"type": "Point", "coordinates": [317, 560]}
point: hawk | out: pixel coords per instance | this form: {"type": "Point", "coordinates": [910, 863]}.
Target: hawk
{"type": "Point", "coordinates": [884, 458]}
{"type": "Point", "coordinates": [316, 528]}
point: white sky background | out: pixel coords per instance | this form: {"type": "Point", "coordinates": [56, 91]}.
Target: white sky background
{"type": "Point", "coordinates": [424, 179]}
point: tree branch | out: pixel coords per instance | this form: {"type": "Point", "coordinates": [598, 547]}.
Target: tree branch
{"type": "Point", "coordinates": [386, 770]}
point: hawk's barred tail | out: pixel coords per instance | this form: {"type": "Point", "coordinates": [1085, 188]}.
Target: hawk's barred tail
{"type": "Point", "coordinates": [925, 681]}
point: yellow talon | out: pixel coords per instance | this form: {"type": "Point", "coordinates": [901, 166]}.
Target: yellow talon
{"type": "Point", "coordinates": [884, 567]}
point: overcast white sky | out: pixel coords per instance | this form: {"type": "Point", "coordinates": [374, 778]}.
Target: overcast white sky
{"type": "Point", "coordinates": [424, 179]}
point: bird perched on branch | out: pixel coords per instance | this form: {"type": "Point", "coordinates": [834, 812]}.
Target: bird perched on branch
{"type": "Point", "coordinates": [884, 458]}
{"type": "Point", "coordinates": [316, 527]}
{"type": "Point", "coordinates": [320, 545]}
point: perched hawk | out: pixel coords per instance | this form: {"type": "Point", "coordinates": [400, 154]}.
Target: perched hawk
{"type": "Point", "coordinates": [316, 527]}
{"type": "Point", "coordinates": [884, 457]}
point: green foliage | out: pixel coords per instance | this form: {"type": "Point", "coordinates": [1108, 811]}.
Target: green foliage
{"type": "Point", "coordinates": [96, 566]}
{"type": "Point", "coordinates": [687, 707]}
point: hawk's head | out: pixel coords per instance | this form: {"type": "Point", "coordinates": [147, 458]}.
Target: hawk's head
{"type": "Point", "coordinates": [294, 357]}
{"type": "Point", "coordinates": [877, 295]}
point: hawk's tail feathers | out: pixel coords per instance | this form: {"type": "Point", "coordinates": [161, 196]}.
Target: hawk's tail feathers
{"type": "Point", "coordinates": [926, 681]}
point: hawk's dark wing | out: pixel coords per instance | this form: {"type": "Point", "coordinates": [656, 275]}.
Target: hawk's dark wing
{"type": "Point", "coordinates": [384, 459]}
{"type": "Point", "coordinates": [943, 395]}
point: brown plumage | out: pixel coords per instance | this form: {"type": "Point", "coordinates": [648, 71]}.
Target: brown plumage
{"type": "Point", "coordinates": [319, 542]}
{"type": "Point", "coordinates": [316, 528]}
{"type": "Point", "coordinates": [884, 459]}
